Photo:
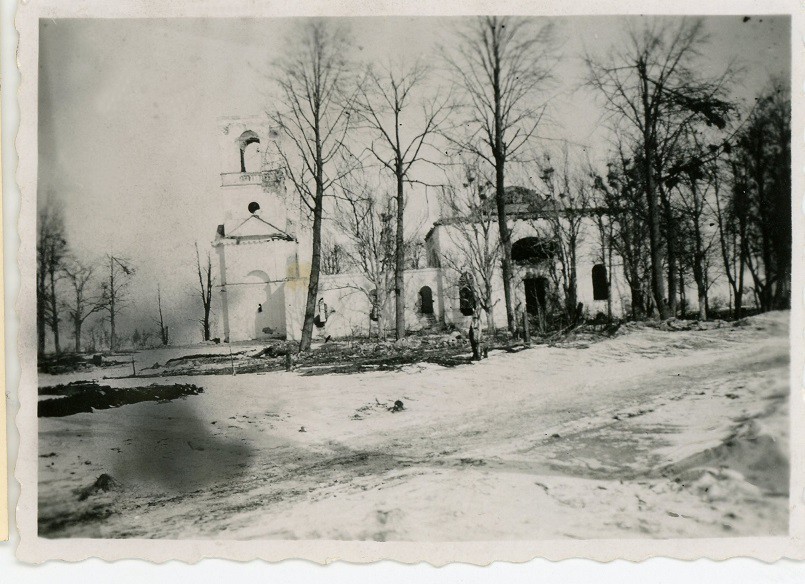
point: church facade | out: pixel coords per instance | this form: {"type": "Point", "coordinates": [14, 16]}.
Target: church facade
{"type": "Point", "coordinates": [263, 247]}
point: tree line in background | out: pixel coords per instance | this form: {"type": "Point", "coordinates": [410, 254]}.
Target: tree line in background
{"type": "Point", "coordinates": [88, 297]}
{"type": "Point", "coordinates": [71, 290]}
{"type": "Point", "coordinates": [696, 187]}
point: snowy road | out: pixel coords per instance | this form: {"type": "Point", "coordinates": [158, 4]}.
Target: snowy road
{"type": "Point", "coordinates": [649, 434]}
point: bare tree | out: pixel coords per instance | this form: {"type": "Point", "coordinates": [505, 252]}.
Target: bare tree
{"type": "Point", "coordinates": [471, 216]}
{"type": "Point", "coordinates": [693, 193]}
{"type": "Point", "coordinates": [564, 213]}
{"type": "Point", "coordinates": [333, 257]}
{"type": "Point", "coordinates": [762, 168]}
{"type": "Point", "coordinates": [85, 300]}
{"type": "Point", "coordinates": [620, 193]}
{"type": "Point", "coordinates": [314, 78]}
{"type": "Point", "coordinates": [731, 215]}
{"type": "Point", "coordinates": [364, 216]}
{"type": "Point", "coordinates": [653, 89]}
{"type": "Point", "coordinates": [51, 250]}
{"type": "Point", "coordinates": [502, 66]}
{"type": "Point", "coordinates": [400, 138]}
{"type": "Point", "coordinates": [415, 254]}
{"type": "Point", "coordinates": [205, 284]}
{"type": "Point", "coordinates": [164, 330]}
{"type": "Point", "coordinates": [115, 292]}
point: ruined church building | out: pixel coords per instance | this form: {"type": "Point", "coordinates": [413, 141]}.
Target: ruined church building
{"type": "Point", "coordinates": [264, 244]}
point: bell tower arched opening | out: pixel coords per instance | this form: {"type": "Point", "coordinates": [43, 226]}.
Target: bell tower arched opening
{"type": "Point", "coordinates": [249, 145]}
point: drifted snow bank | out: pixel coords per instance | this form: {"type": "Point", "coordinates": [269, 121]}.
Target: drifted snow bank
{"type": "Point", "coordinates": [750, 463]}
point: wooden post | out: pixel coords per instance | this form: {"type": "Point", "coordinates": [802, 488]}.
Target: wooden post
{"type": "Point", "coordinates": [133, 368]}
{"type": "Point", "coordinates": [231, 359]}
{"type": "Point", "coordinates": [526, 332]}
{"type": "Point", "coordinates": [288, 361]}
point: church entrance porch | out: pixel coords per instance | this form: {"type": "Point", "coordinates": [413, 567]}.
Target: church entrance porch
{"type": "Point", "coordinates": [258, 308]}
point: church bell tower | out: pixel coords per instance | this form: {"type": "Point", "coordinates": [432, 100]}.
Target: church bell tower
{"type": "Point", "coordinates": [256, 242]}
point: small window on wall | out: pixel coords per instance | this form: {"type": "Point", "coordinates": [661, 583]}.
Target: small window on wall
{"type": "Point", "coordinates": [426, 300]}
{"type": "Point", "coordinates": [600, 283]}
{"type": "Point", "coordinates": [466, 295]}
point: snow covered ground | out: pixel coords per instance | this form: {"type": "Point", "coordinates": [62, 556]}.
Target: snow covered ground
{"type": "Point", "coordinates": [647, 434]}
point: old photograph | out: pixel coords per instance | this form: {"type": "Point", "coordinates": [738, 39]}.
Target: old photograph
{"type": "Point", "coordinates": [413, 279]}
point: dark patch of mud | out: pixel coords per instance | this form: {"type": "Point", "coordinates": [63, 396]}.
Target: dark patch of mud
{"type": "Point", "coordinates": [83, 396]}
{"type": "Point", "coordinates": [53, 527]}
{"type": "Point", "coordinates": [384, 358]}
{"type": "Point", "coordinates": [72, 362]}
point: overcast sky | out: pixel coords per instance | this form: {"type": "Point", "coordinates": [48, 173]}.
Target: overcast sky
{"type": "Point", "coordinates": [128, 119]}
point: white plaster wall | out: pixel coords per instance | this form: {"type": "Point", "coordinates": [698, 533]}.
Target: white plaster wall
{"type": "Point", "coordinates": [256, 273]}
{"type": "Point", "coordinates": [446, 239]}
{"type": "Point", "coordinates": [347, 297]}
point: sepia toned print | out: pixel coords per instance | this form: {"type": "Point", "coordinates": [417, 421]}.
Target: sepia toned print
{"type": "Point", "coordinates": [368, 282]}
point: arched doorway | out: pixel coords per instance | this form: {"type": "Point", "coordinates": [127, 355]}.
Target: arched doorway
{"type": "Point", "coordinates": [426, 300]}
{"type": "Point", "coordinates": [264, 304]}
{"type": "Point", "coordinates": [536, 295]}
{"type": "Point", "coordinates": [600, 282]}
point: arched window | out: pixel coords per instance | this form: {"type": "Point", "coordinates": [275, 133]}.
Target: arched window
{"type": "Point", "coordinates": [426, 300]}
{"type": "Point", "coordinates": [466, 295]}
{"type": "Point", "coordinates": [600, 283]}
{"type": "Point", "coordinates": [249, 144]}
{"type": "Point", "coordinates": [533, 250]}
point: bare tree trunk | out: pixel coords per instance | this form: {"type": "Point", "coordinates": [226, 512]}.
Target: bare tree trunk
{"type": "Point", "coordinates": [699, 271]}
{"type": "Point", "coordinates": [41, 292]}
{"type": "Point", "coordinates": [313, 79]}
{"type": "Point", "coordinates": [490, 318]}
{"type": "Point", "coordinates": [504, 64]}
{"type": "Point", "coordinates": [77, 333]}
{"type": "Point", "coordinates": [315, 266]}
{"type": "Point", "coordinates": [381, 326]}
{"type": "Point", "coordinates": [739, 291]}
{"type": "Point", "coordinates": [572, 292]}
{"type": "Point", "coordinates": [609, 277]}
{"type": "Point", "coordinates": [77, 320]}
{"type": "Point", "coordinates": [725, 253]}
{"type": "Point", "coordinates": [205, 289]}
{"type": "Point", "coordinates": [54, 310]}
{"type": "Point", "coordinates": [701, 289]}
{"type": "Point", "coordinates": [657, 278]}
{"type": "Point", "coordinates": [500, 192]}
{"type": "Point", "coordinates": [163, 330]}
{"type": "Point", "coordinates": [505, 244]}
{"type": "Point", "coordinates": [675, 288]}
{"type": "Point", "coordinates": [399, 259]}
{"type": "Point", "coordinates": [112, 338]}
